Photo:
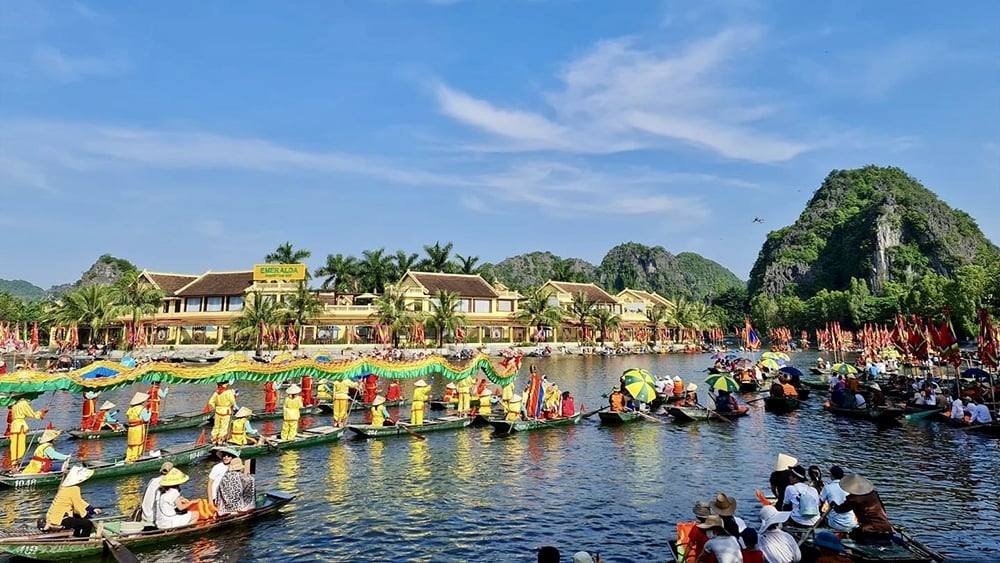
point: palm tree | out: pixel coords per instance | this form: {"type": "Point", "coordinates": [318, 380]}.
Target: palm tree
{"type": "Point", "coordinates": [90, 305]}
{"type": "Point", "coordinates": [391, 311]}
{"type": "Point", "coordinates": [582, 308]}
{"type": "Point", "coordinates": [285, 254]}
{"type": "Point", "coordinates": [605, 320]}
{"type": "Point", "coordinates": [136, 296]}
{"type": "Point", "coordinates": [339, 273]}
{"type": "Point", "coordinates": [537, 311]}
{"type": "Point", "coordinates": [405, 262]}
{"type": "Point", "coordinates": [444, 315]}
{"type": "Point", "coordinates": [438, 258]}
{"type": "Point", "coordinates": [562, 270]}
{"type": "Point", "coordinates": [467, 264]}
{"type": "Point", "coordinates": [301, 307]}
{"type": "Point", "coordinates": [374, 270]}
{"type": "Point", "coordinates": [258, 312]}
{"type": "Point", "coordinates": [655, 316]}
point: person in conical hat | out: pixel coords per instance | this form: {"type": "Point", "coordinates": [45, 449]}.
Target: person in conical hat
{"type": "Point", "coordinates": [221, 404]}
{"type": "Point", "coordinates": [291, 412]}
{"type": "Point", "coordinates": [107, 419]}
{"type": "Point", "coordinates": [18, 426]}
{"type": "Point", "coordinates": [380, 415]}
{"type": "Point", "coordinates": [137, 417]}
{"type": "Point", "coordinates": [421, 393]}
{"type": "Point", "coordinates": [691, 395]}
{"type": "Point", "coordinates": [107, 405]}
{"type": "Point", "coordinates": [293, 389]}
{"type": "Point", "coordinates": [241, 432]}
{"type": "Point", "coordinates": [485, 406]}
{"type": "Point", "coordinates": [514, 408]}
{"type": "Point", "coordinates": [45, 454]}
{"type": "Point", "coordinates": [69, 511]}
{"type": "Point", "coordinates": [171, 509]}
{"type": "Point", "coordinates": [450, 393]}
{"type": "Point", "coordinates": [781, 477]}
{"type": "Point", "coordinates": [873, 523]}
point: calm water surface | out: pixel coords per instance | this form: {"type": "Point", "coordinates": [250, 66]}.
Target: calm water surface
{"type": "Point", "coordinates": [471, 495]}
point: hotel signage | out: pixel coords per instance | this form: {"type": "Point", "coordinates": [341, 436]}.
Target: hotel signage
{"type": "Point", "coordinates": [279, 272]}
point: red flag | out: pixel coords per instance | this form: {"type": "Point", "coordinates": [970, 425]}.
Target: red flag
{"type": "Point", "coordinates": [293, 338]}
{"type": "Point", "coordinates": [34, 336]}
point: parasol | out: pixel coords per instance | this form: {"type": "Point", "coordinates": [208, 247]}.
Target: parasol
{"type": "Point", "coordinates": [640, 384]}
{"type": "Point", "coordinates": [791, 370]}
{"type": "Point", "coordinates": [843, 369]}
{"type": "Point", "coordinates": [780, 356]}
{"type": "Point", "coordinates": [722, 382]}
{"type": "Point", "coordinates": [771, 364]}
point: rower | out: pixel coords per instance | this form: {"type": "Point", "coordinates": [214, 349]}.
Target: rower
{"type": "Point", "coordinates": [45, 454]}
{"type": "Point", "coordinates": [616, 400]}
{"type": "Point", "coordinates": [222, 403]}
{"type": "Point", "coordinates": [68, 510]}
{"type": "Point", "coordinates": [19, 427]}
{"type": "Point", "coordinates": [291, 412]}
{"type": "Point", "coordinates": [464, 387]}
{"type": "Point", "coordinates": [514, 409]}
{"type": "Point", "coordinates": [568, 408]}
{"type": "Point", "coordinates": [421, 392]}
{"type": "Point", "coordinates": [107, 419]}
{"type": "Point", "coordinates": [862, 499]}
{"type": "Point", "coordinates": [156, 394]}
{"type": "Point", "coordinates": [394, 393]}
{"type": "Point", "coordinates": [88, 417]}
{"type": "Point", "coordinates": [378, 411]}
{"type": "Point", "coordinates": [241, 432]}
{"type": "Point", "coordinates": [485, 407]}
{"type": "Point", "coordinates": [137, 417]}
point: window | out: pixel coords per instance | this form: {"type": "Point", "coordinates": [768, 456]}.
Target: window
{"type": "Point", "coordinates": [481, 306]}
{"type": "Point", "coordinates": [213, 304]}
{"type": "Point", "coordinates": [192, 304]}
{"type": "Point", "coordinates": [236, 303]}
{"type": "Point", "coordinates": [166, 306]}
{"type": "Point", "coordinates": [462, 305]}
{"type": "Point", "coordinates": [505, 306]}
{"type": "Point", "coordinates": [636, 307]}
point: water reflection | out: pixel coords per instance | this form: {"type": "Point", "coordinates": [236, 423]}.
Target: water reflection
{"type": "Point", "coordinates": [336, 486]}
{"type": "Point", "coordinates": [129, 492]}
{"type": "Point", "coordinates": [288, 470]}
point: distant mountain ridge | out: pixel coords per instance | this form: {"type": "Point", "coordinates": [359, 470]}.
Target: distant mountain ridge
{"type": "Point", "coordinates": [22, 289]}
{"type": "Point", "coordinates": [105, 270]}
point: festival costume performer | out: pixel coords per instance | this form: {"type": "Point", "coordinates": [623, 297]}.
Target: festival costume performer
{"type": "Point", "coordinates": [394, 393]}
{"type": "Point", "coordinates": [450, 394]}
{"type": "Point", "coordinates": [464, 387]}
{"type": "Point", "coordinates": [19, 427]}
{"type": "Point", "coordinates": [342, 400]}
{"type": "Point", "coordinates": [107, 419]}
{"type": "Point", "coordinates": [307, 391]}
{"type": "Point", "coordinates": [505, 395]}
{"type": "Point", "coordinates": [137, 416]}
{"type": "Point", "coordinates": [222, 402]}
{"type": "Point", "coordinates": [156, 394]}
{"type": "Point", "coordinates": [421, 391]}
{"type": "Point", "coordinates": [270, 398]}
{"type": "Point", "coordinates": [379, 412]}
{"type": "Point", "coordinates": [88, 417]}
{"type": "Point", "coordinates": [291, 413]}
{"type": "Point", "coordinates": [241, 432]}
{"type": "Point", "coordinates": [513, 408]}
{"type": "Point", "coordinates": [45, 454]}
{"type": "Point", "coordinates": [485, 407]}
{"type": "Point", "coordinates": [371, 388]}
{"type": "Point", "coordinates": [68, 510]}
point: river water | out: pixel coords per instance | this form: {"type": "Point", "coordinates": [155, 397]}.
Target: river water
{"type": "Point", "coordinates": [472, 495]}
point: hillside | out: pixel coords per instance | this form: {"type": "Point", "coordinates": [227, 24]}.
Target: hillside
{"type": "Point", "coordinates": [21, 289]}
{"type": "Point", "coordinates": [637, 266]}
{"type": "Point", "coordinates": [535, 268]}
{"type": "Point", "coordinates": [873, 223]}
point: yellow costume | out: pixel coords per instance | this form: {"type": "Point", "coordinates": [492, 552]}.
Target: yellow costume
{"type": "Point", "coordinates": [292, 406]}
{"type": "Point", "coordinates": [378, 415]}
{"type": "Point", "coordinates": [19, 428]}
{"type": "Point", "coordinates": [464, 386]}
{"type": "Point", "coordinates": [241, 426]}
{"type": "Point", "coordinates": [485, 408]}
{"type": "Point", "coordinates": [135, 439]}
{"type": "Point", "coordinates": [552, 399]}
{"type": "Point", "coordinates": [342, 399]}
{"type": "Point", "coordinates": [513, 408]}
{"type": "Point", "coordinates": [506, 393]}
{"type": "Point", "coordinates": [421, 392]}
{"type": "Point", "coordinates": [222, 401]}
{"type": "Point", "coordinates": [68, 502]}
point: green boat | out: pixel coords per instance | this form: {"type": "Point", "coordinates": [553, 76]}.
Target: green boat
{"type": "Point", "coordinates": [508, 426]}
{"type": "Point", "coordinates": [435, 425]}
{"type": "Point", "coordinates": [304, 439]}
{"type": "Point", "coordinates": [5, 440]}
{"type": "Point", "coordinates": [689, 414]}
{"type": "Point", "coordinates": [113, 467]}
{"type": "Point", "coordinates": [608, 417]}
{"type": "Point", "coordinates": [175, 422]}
{"type": "Point", "coordinates": [781, 405]}
{"type": "Point", "coordinates": [327, 407]}
{"type": "Point", "coordinates": [60, 546]}
{"type": "Point", "coordinates": [815, 383]}
{"type": "Point", "coordinates": [305, 411]}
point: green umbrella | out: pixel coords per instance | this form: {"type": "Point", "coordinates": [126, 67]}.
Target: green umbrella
{"type": "Point", "coordinates": [843, 368]}
{"type": "Point", "coordinates": [775, 356]}
{"type": "Point", "coordinates": [722, 382]}
{"type": "Point", "coordinates": [771, 364]}
{"type": "Point", "coordinates": [640, 384]}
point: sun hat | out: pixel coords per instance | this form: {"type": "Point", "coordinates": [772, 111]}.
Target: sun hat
{"type": "Point", "coordinates": [420, 383]}
{"type": "Point", "coordinates": [379, 399]}
{"type": "Point", "coordinates": [828, 540]}
{"type": "Point", "coordinates": [243, 412]}
{"type": "Point", "coordinates": [769, 516]}
{"type": "Point", "coordinates": [855, 484]}
{"type": "Point", "coordinates": [173, 478]}
{"type": "Point", "coordinates": [138, 399]}
{"type": "Point", "coordinates": [702, 509]}
{"type": "Point", "coordinates": [49, 435]}
{"type": "Point", "coordinates": [582, 557]}
{"type": "Point", "coordinates": [692, 387]}
{"type": "Point", "coordinates": [236, 465]}
{"type": "Point", "coordinates": [677, 378]}
{"type": "Point", "coordinates": [223, 450]}
{"type": "Point", "coordinates": [723, 505]}
{"type": "Point", "coordinates": [76, 475]}
{"type": "Point", "coordinates": [293, 389]}
{"type": "Point", "coordinates": [784, 462]}
{"type": "Point", "coordinates": [713, 521]}
{"type": "Point", "coordinates": [166, 467]}
{"type": "Point", "coordinates": [451, 386]}
{"type": "Point", "coordinates": [486, 393]}
{"type": "Point", "coordinates": [108, 405]}
{"type": "Point", "coordinates": [875, 387]}
{"type": "Point", "coordinates": [798, 471]}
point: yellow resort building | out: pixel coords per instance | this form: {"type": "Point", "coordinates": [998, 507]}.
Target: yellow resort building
{"type": "Point", "coordinates": [200, 311]}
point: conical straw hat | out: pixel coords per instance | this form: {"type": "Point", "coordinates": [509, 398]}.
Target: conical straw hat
{"type": "Point", "coordinates": [785, 462]}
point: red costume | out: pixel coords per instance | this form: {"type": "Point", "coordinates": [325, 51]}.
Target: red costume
{"type": "Point", "coordinates": [153, 403]}
{"type": "Point", "coordinates": [89, 414]}
{"type": "Point", "coordinates": [307, 391]}
{"type": "Point", "coordinates": [270, 397]}
{"type": "Point", "coordinates": [394, 393]}
{"type": "Point", "coordinates": [371, 388]}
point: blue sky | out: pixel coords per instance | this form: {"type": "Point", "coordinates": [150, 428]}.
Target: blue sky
{"type": "Point", "coordinates": [188, 136]}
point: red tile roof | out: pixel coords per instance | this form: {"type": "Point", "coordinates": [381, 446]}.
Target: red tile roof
{"type": "Point", "coordinates": [465, 285]}
{"type": "Point", "coordinates": [169, 283]}
{"type": "Point", "coordinates": [217, 283]}
{"type": "Point", "coordinates": [594, 293]}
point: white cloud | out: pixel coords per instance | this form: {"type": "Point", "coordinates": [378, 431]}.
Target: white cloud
{"type": "Point", "coordinates": [210, 228]}
{"type": "Point", "coordinates": [65, 68]}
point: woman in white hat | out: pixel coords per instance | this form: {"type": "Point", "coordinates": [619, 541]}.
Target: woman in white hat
{"type": "Point", "coordinates": [378, 411]}
{"type": "Point", "coordinates": [292, 411]}
{"type": "Point", "coordinates": [421, 391]}
{"type": "Point", "coordinates": [173, 510]}
{"type": "Point", "coordinates": [45, 454]}
{"type": "Point", "coordinates": [69, 511]}
{"type": "Point", "coordinates": [777, 545]}
{"type": "Point", "coordinates": [691, 395]}
{"type": "Point", "coordinates": [137, 416]}
{"type": "Point", "coordinates": [241, 433]}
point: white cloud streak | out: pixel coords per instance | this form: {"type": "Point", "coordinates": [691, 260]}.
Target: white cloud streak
{"type": "Point", "coordinates": [66, 68]}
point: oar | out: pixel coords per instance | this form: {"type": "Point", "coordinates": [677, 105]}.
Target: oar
{"type": "Point", "coordinates": [713, 412]}
{"type": "Point", "coordinates": [408, 431]}
{"type": "Point", "coordinates": [755, 400]}
{"type": "Point", "coordinates": [650, 417]}
{"type": "Point", "coordinates": [592, 413]}
{"type": "Point", "coordinates": [812, 529]}
{"type": "Point", "coordinates": [121, 553]}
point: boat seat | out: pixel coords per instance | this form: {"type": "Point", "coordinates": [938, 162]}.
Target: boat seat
{"type": "Point", "coordinates": [319, 430]}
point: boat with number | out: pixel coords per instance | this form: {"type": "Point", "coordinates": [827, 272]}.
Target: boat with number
{"type": "Point", "coordinates": [113, 467]}
{"type": "Point", "coordinates": [434, 425]}
{"type": "Point", "coordinates": [166, 424]}
{"type": "Point", "coordinates": [609, 417]}
{"type": "Point", "coordinates": [304, 439]}
{"type": "Point", "coordinates": [327, 407]}
{"type": "Point", "coordinates": [991, 429]}
{"type": "Point", "coordinates": [304, 411]}
{"type": "Point", "coordinates": [690, 414]}
{"type": "Point", "coordinates": [877, 414]}
{"type": "Point", "coordinates": [781, 405]}
{"type": "Point", "coordinates": [508, 426]}
{"type": "Point", "coordinates": [58, 546]}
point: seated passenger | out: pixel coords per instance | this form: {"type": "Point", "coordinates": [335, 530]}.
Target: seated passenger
{"type": "Point", "coordinates": [237, 490]}
{"type": "Point", "coordinates": [173, 510]}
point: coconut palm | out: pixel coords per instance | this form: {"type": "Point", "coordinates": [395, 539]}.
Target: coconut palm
{"type": "Point", "coordinates": [91, 305]}
{"type": "Point", "coordinates": [537, 310]}
{"type": "Point", "coordinates": [444, 315]}
{"type": "Point", "coordinates": [438, 258]}
{"type": "Point", "coordinates": [339, 273]}
{"type": "Point", "coordinates": [405, 262]}
{"type": "Point", "coordinates": [136, 297]}
{"type": "Point", "coordinates": [285, 254]}
{"type": "Point", "coordinates": [605, 320]}
{"type": "Point", "coordinates": [391, 311]}
{"type": "Point", "coordinates": [467, 264]}
{"type": "Point", "coordinates": [655, 315]}
{"type": "Point", "coordinates": [375, 270]}
{"type": "Point", "coordinates": [301, 307]}
{"type": "Point", "coordinates": [258, 312]}
{"type": "Point", "coordinates": [581, 309]}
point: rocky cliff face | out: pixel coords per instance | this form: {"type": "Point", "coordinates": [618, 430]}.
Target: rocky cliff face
{"type": "Point", "coordinates": [105, 271]}
{"type": "Point", "coordinates": [535, 268]}
{"type": "Point", "coordinates": [873, 223]}
{"type": "Point", "coordinates": [636, 266]}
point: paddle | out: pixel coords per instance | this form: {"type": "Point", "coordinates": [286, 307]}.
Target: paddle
{"type": "Point", "coordinates": [650, 417]}
{"type": "Point", "coordinates": [699, 405]}
{"type": "Point", "coordinates": [592, 413]}
{"type": "Point", "coordinates": [121, 553]}
{"type": "Point", "coordinates": [812, 529]}
{"type": "Point", "coordinates": [408, 431]}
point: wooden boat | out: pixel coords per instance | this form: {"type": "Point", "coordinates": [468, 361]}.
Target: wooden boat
{"type": "Point", "coordinates": [689, 414]}
{"type": "Point", "coordinates": [113, 467]}
{"type": "Point", "coordinates": [484, 419]}
{"type": "Point", "coordinates": [327, 407]}
{"type": "Point", "coordinates": [991, 429]}
{"type": "Point", "coordinates": [749, 387]}
{"type": "Point", "coordinates": [48, 546]}
{"type": "Point", "coordinates": [803, 392]}
{"type": "Point", "coordinates": [441, 405]}
{"type": "Point", "coordinates": [877, 414]}
{"type": "Point", "coordinates": [781, 405]}
{"type": "Point", "coordinates": [608, 417]}
{"type": "Point", "coordinates": [434, 425]}
{"type": "Point", "coordinates": [166, 424]}
{"type": "Point", "coordinates": [304, 439]}
{"type": "Point", "coordinates": [903, 549]}
{"type": "Point", "coordinates": [305, 411]}
{"type": "Point", "coordinates": [819, 371]}
{"type": "Point", "coordinates": [508, 426]}
{"type": "Point", "coordinates": [918, 413]}
{"type": "Point", "coordinates": [31, 435]}
{"type": "Point", "coordinates": [815, 383]}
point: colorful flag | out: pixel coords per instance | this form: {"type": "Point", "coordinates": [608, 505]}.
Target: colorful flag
{"type": "Point", "coordinates": [752, 340]}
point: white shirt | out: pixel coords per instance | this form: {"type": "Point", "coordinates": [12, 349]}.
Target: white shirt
{"type": "Point", "coordinates": [218, 470]}
{"type": "Point", "coordinates": [981, 415]}
{"type": "Point", "coordinates": [803, 498]}
{"type": "Point", "coordinates": [725, 548]}
{"type": "Point", "coordinates": [778, 546]}
{"type": "Point", "coordinates": [149, 499]}
{"type": "Point", "coordinates": [833, 494]}
{"type": "Point", "coordinates": [166, 510]}
{"type": "Point", "coordinates": [859, 400]}
{"type": "Point", "coordinates": [957, 410]}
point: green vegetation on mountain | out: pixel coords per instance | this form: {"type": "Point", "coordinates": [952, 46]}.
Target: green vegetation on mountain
{"type": "Point", "coordinates": [526, 271]}
{"type": "Point", "coordinates": [688, 275]}
{"type": "Point", "coordinates": [21, 289]}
